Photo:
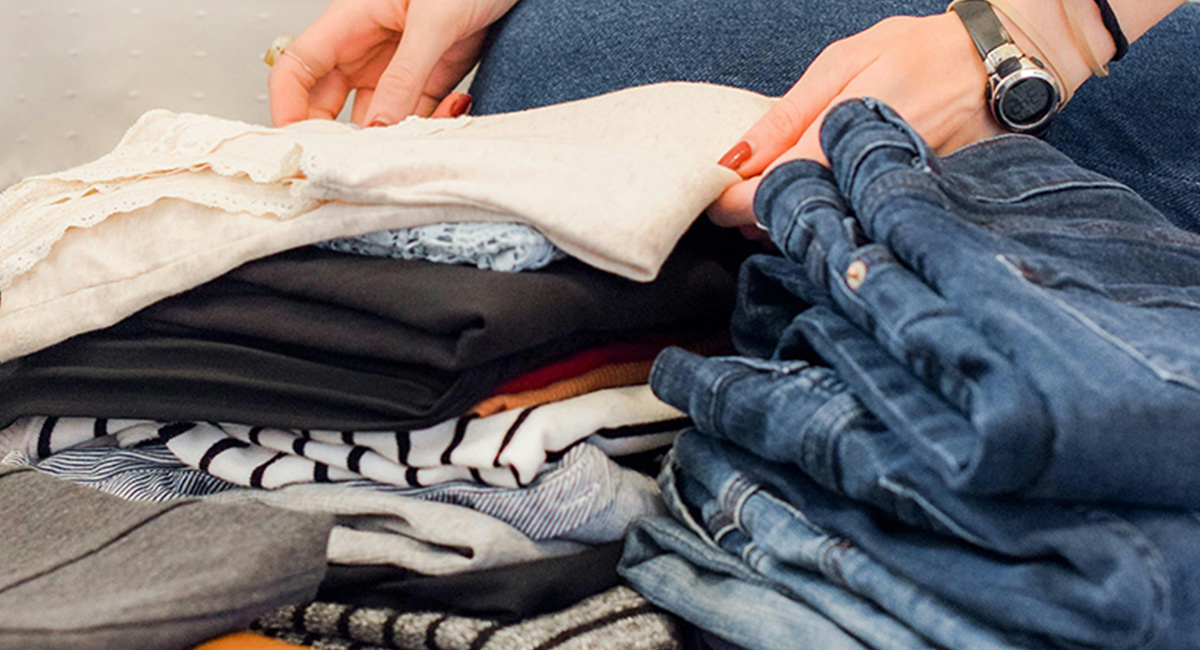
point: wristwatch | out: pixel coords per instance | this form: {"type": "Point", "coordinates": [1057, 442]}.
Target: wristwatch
{"type": "Point", "coordinates": [1022, 94]}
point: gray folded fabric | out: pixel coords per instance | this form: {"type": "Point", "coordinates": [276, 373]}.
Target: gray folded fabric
{"type": "Point", "coordinates": [617, 618]}
{"type": "Point", "coordinates": [87, 570]}
{"type": "Point", "coordinates": [427, 537]}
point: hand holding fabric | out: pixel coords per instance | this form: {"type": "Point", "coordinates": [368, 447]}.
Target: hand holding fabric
{"type": "Point", "coordinates": [402, 57]}
{"type": "Point", "coordinates": [925, 68]}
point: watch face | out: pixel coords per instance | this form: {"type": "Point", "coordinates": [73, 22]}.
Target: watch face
{"type": "Point", "coordinates": [1028, 100]}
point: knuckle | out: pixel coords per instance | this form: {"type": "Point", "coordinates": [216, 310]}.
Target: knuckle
{"type": "Point", "coordinates": [896, 24]}
{"type": "Point", "coordinates": [784, 118]}
{"type": "Point", "coordinates": [398, 76]}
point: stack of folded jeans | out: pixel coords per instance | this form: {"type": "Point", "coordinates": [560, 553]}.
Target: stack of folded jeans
{"type": "Point", "coordinates": [965, 416]}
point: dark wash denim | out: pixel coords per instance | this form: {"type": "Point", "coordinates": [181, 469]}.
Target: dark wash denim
{"type": "Point", "coordinates": [1140, 125]}
{"type": "Point", "coordinates": [1024, 325]}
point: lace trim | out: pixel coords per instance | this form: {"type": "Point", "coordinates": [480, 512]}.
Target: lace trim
{"type": "Point", "coordinates": [218, 163]}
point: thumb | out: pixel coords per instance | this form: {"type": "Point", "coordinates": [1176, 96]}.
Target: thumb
{"type": "Point", "coordinates": [400, 91]}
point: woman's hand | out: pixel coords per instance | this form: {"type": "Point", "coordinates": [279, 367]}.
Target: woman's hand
{"type": "Point", "coordinates": [925, 68]}
{"type": "Point", "coordinates": [401, 56]}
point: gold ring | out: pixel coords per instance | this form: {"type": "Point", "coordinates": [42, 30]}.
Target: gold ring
{"type": "Point", "coordinates": [279, 48]}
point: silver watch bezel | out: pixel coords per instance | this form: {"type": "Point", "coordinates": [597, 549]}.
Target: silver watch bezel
{"type": "Point", "coordinates": [998, 87]}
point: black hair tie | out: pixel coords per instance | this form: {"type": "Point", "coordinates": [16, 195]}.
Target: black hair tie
{"type": "Point", "coordinates": [1114, 29]}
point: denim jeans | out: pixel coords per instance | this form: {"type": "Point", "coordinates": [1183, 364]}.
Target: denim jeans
{"type": "Point", "coordinates": [1002, 325]}
{"type": "Point", "coordinates": [787, 470]}
{"type": "Point", "coordinates": [729, 549]}
{"type": "Point", "coordinates": [1139, 125]}
{"type": "Point", "coordinates": [1024, 325]}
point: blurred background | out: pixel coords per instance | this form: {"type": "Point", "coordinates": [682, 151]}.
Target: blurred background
{"type": "Point", "coordinates": [75, 74]}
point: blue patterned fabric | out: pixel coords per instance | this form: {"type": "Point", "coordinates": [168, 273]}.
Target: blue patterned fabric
{"type": "Point", "coordinates": [495, 246]}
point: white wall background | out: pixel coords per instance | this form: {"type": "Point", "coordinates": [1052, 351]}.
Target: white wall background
{"type": "Point", "coordinates": [75, 74]}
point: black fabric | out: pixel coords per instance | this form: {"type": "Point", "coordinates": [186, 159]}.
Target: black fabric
{"type": "Point", "coordinates": [126, 372]}
{"type": "Point", "coordinates": [311, 339]}
{"type": "Point", "coordinates": [504, 593]}
{"type": "Point", "coordinates": [436, 315]}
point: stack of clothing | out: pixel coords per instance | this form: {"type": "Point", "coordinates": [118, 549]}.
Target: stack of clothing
{"type": "Point", "coordinates": [445, 451]}
{"type": "Point", "coordinates": [964, 416]}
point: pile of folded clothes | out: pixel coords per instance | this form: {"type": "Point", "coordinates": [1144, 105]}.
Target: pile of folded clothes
{"type": "Point", "coordinates": [958, 410]}
{"type": "Point", "coordinates": [386, 432]}
{"type": "Point", "coordinates": [965, 414]}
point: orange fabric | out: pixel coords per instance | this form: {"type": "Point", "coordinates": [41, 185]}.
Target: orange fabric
{"type": "Point", "coordinates": [249, 641]}
{"type": "Point", "coordinates": [579, 364]}
{"type": "Point", "coordinates": [611, 376]}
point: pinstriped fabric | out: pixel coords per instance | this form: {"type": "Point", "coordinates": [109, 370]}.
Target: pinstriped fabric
{"type": "Point", "coordinates": [584, 496]}
{"type": "Point", "coordinates": [149, 474]}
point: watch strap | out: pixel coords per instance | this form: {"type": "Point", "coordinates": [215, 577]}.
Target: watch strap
{"type": "Point", "coordinates": [982, 24]}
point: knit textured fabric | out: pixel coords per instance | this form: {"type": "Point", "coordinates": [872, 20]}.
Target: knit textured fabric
{"type": "Point", "coordinates": [618, 618]}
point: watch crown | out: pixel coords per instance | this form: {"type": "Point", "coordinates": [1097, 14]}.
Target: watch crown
{"type": "Point", "coordinates": [1007, 67]}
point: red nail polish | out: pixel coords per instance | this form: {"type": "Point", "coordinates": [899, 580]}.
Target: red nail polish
{"type": "Point", "coordinates": [461, 105]}
{"type": "Point", "coordinates": [379, 121]}
{"type": "Point", "coordinates": [736, 156]}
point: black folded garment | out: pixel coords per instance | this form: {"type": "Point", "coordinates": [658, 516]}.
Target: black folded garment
{"type": "Point", "coordinates": [126, 372]}
{"type": "Point", "coordinates": [504, 593]}
{"type": "Point", "coordinates": [437, 315]}
{"type": "Point", "coordinates": [311, 339]}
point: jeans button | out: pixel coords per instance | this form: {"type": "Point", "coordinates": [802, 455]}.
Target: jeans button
{"type": "Point", "coordinates": [856, 273]}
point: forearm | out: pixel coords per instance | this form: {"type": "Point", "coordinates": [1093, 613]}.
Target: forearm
{"type": "Point", "coordinates": [1136, 17]}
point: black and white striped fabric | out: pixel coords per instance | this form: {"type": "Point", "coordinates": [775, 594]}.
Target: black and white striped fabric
{"type": "Point", "coordinates": [618, 618]}
{"type": "Point", "coordinates": [507, 449]}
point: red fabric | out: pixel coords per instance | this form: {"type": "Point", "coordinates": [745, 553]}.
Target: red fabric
{"type": "Point", "coordinates": [579, 364]}
{"type": "Point", "coordinates": [645, 348]}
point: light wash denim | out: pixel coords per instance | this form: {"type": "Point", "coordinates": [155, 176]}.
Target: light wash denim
{"type": "Point", "coordinates": [1024, 325]}
{"type": "Point", "coordinates": [1139, 125]}
{"type": "Point", "coordinates": [744, 538]}
{"type": "Point", "coordinates": [682, 571]}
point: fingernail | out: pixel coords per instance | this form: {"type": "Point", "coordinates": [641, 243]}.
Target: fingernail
{"type": "Point", "coordinates": [461, 105]}
{"type": "Point", "coordinates": [739, 154]}
{"type": "Point", "coordinates": [379, 121]}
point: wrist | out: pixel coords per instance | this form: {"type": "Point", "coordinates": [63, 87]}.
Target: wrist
{"type": "Point", "coordinates": [1053, 41]}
